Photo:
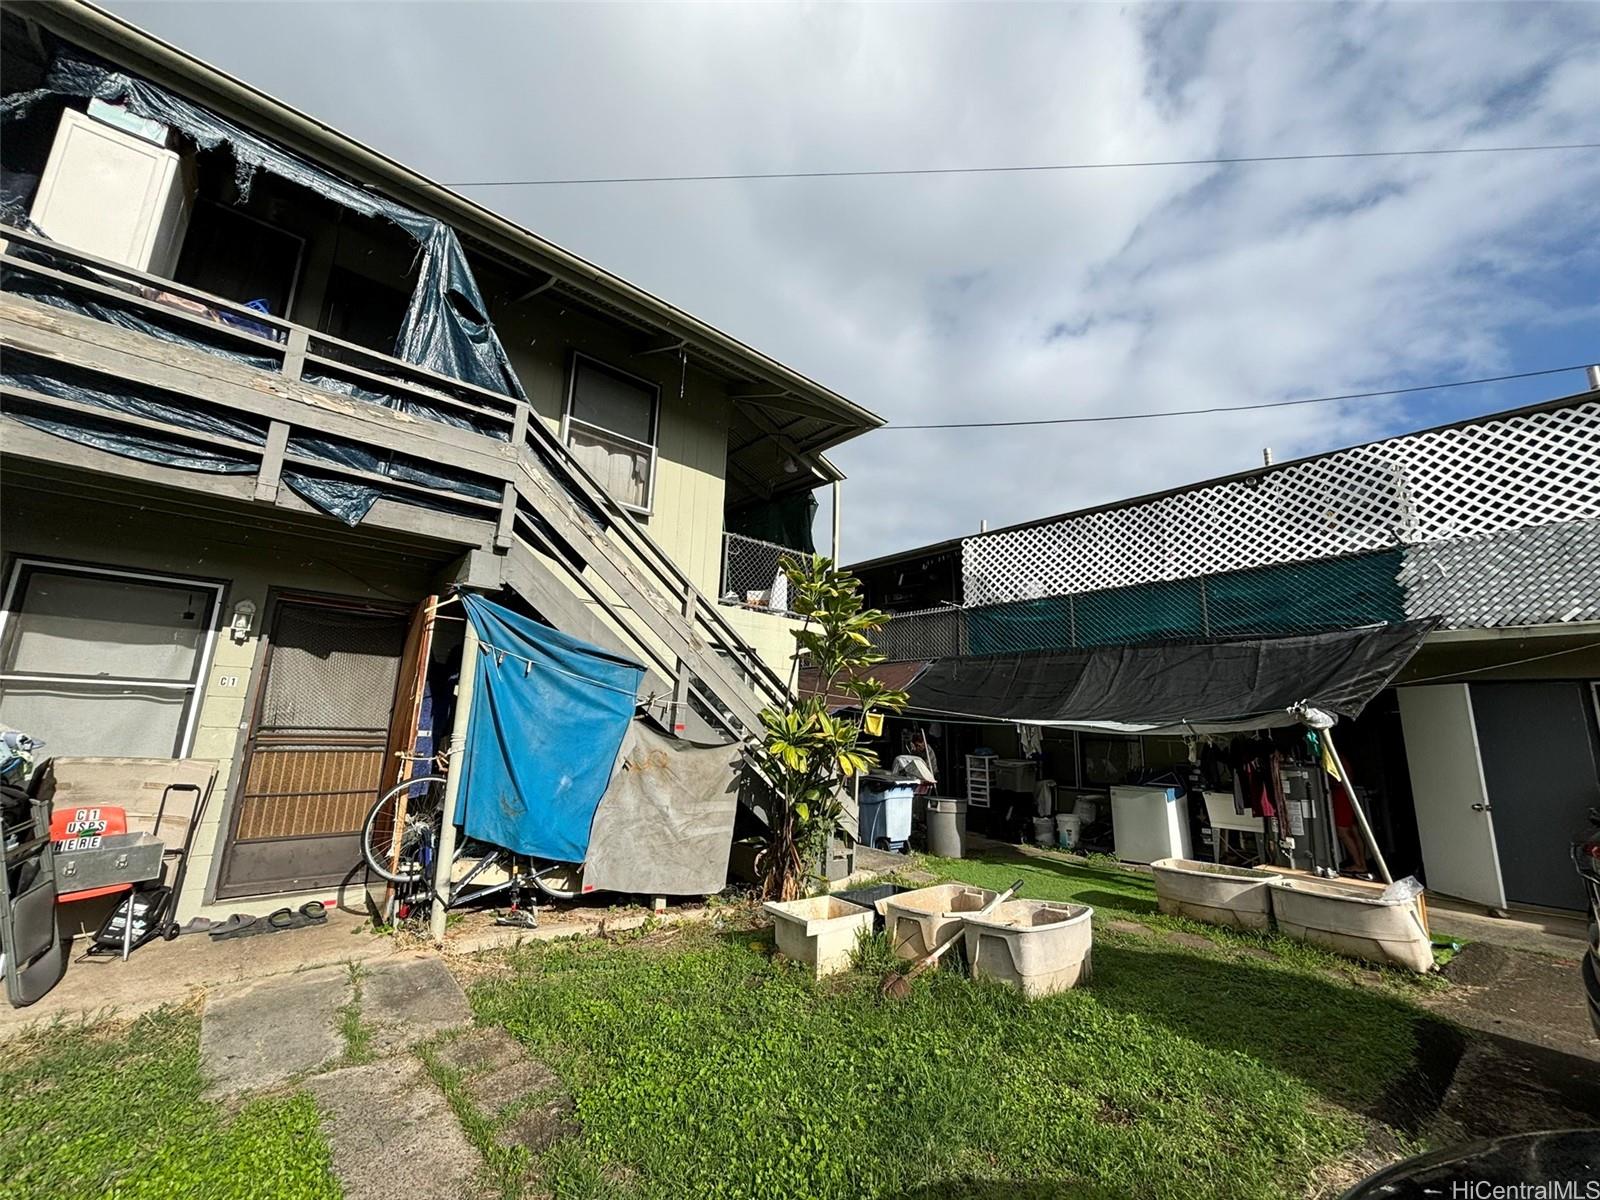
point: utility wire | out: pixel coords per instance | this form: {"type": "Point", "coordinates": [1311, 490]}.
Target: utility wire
{"type": "Point", "coordinates": [1195, 412]}
{"type": "Point", "coordinates": [1501, 666]}
{"type": "Point", "coordinates": [1237, 160]}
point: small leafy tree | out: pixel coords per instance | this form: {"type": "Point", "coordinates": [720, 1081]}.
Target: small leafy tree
{"type": "Point", "coordinates": [808, 754]}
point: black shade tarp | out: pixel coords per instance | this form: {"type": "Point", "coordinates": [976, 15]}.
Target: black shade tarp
{"type": "Point", "coordinates": [1177, 687]}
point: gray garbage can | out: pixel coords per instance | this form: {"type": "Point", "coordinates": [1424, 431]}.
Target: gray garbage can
{"type": "Point", "coordinates": [947, 826]}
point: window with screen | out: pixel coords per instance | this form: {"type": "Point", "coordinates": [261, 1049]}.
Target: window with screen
{"type": "Point", "coordinates": [611, 430]}
{"type": "Point", "coordinates": [96, 661]}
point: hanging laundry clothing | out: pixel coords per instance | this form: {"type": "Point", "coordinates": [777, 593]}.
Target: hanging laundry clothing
{"type": "Point", "coordinates": [1031, 738]}
{"type": "Point", "coordinates": [1258, 787]}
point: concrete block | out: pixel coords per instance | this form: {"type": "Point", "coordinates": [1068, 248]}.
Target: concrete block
{"type": "Point", "coordinates": [409, 1000]}
{"type": "Point", "coordinates": [257, 1035]}
{"type": "Point", "coordinates": [391, 1130]}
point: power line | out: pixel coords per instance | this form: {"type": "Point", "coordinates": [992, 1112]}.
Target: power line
{"type": "Point", "coordinates": [1196, 412]}
{"type": "Point", "coordinates": [1237, 160]}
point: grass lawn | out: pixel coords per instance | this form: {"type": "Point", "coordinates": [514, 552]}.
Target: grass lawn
{"type": "Point", "coordinates": [116, 1112]}
{"type": "Point", "coordinates": [702, 1066]}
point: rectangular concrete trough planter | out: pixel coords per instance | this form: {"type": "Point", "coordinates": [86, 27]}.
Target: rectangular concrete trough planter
{"type": "Point", "coordinates": [1237, 897]}
{"type": "Point", "coordinates": [1038, 947]}
{"type": "Point", "coordinates": [1354, 921]}
{"type": "Point", "coordinates": [820, 931]}
{"type": "Point", "coordinates": [918, 921]}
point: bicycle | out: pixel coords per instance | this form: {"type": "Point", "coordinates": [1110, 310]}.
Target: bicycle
{"type": "Point", "coordinates": [400, 839]}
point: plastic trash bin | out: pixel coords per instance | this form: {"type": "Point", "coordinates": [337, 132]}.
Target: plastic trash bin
{"type": "Point", "coordinates": [1044, 831]}
{"type": "Point", "coordinates": [1039, 947]}
{"type": "Point", "coordinates": [820, 932]}
{"type": "Point", "coordinates": [885, 811]}
{"type": "Point", "coordinates": [918, 921]}
{"type": "Point", "coordinates": [947, 826]}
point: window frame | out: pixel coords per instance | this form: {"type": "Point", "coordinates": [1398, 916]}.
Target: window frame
{"type": "Point", "coordinates": [22, 566]}
{"type": "Point", "coordinates": [576, 359]}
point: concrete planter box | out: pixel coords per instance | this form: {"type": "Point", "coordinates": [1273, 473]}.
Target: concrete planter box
{"type": "Point", "coordinates": [820, 931]}
{"type": "Point", "coordinates": [918, 921]}
{"type": "Point", "coordinates": [1353, 921]}
{"type": "Point", "coordinates": [1237, 897]}
{"type": "Point", "coordinates": [1038, 947]}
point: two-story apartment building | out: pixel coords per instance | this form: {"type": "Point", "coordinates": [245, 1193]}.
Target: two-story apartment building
{"type": "Point", "coordinates": [266, 391]}
{"type": "Point", "coordinates": [1482, 761]}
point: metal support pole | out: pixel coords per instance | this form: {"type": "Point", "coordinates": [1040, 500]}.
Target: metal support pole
{"type": "Point", "coordinates": [838, 495]}
{"type": "Point", "coordinates": [1355, 806]}
{"type": "Point", "coordinates": [452, 784]}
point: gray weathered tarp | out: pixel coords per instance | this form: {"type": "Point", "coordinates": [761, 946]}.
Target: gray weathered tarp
{"type": "Point", "coordinates": [665, 824]}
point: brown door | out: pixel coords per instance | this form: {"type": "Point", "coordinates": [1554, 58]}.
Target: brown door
{"type": "Point", "coordinates": [317, 745]}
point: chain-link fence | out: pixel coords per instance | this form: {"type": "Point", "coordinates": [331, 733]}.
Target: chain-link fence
{"type": "Point", "coordinates": [927, 633]}
{"type": "Point", "coordinates": [1541, 575]}
{"type": "Point", "coordinates": [751, 574]}
{"type": "Point", "coordinates": [1288, 599]}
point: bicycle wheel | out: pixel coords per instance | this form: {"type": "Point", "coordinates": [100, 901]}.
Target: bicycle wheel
{"type": "Point", "coordinates": [559, 881]}
{"type": "Point", "coordinates": [400, 824]}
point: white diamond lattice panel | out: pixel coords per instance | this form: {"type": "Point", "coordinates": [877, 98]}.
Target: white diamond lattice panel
{"type": "Point", "coordinates": [1489, 477]}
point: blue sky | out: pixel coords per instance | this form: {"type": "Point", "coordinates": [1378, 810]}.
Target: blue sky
{"type": "Point", "coordinates": [1016, 296]}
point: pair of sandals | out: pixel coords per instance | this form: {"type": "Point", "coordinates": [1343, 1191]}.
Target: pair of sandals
{"type": "Point", "coordinates": [312, 912]}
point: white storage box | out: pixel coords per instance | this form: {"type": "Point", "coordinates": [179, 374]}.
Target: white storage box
{"type": "Point", "coordinates": [1039, 947]}
{"type": "Point", "coordinates": [820, 931]}
{"type": "Point", "coordinates": [115, 195]}
{"type": "Point", "coordinates": [1148, 823]}
{"type": "Point", "coordinates": [918, 921]}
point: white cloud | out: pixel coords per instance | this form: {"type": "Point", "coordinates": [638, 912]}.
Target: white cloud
{"type": "Point", "coordinates": [1014, 296]}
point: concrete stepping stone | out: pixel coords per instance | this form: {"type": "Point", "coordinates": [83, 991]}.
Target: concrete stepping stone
{"type": "Point", "coordinates": [386, 1123]}
{"type": "Point", "coordinates": [405, 1001]}
{"type": "Point", "coordinates": [497, 1074]}
{"type": "Point", "coordinates": [480, 1050]}
{"type": "Point", "coordinates": [1120, 926]}
{"type": "Point", "coordinates": [257, 1035]}
{"type": "Point", "coordinates": [1192, 940]}
{"type": "Point", "coordinates": [539, 1126]}
{"type": "Point", "coordinates": [493, 1091]}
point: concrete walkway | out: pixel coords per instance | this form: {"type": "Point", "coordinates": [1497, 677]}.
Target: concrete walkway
{"type": "Point", "coordinates": [257, 1035]}
{"type": "Point", "coordinates": [176, 972]}
{"type": "Point", "coordinates": [1546, 933]}
{"type": "Point", "coordinates": [384, 1048]}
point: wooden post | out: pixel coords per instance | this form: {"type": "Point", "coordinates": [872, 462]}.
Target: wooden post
{"type": "Point", "coordinates": [506, 525]}
{"type": "Point", "coordinates": [680, 684]}
{"type": "Point", "coordinates": [452, 786]}
{"type": "Point", "coordinates": [295, 350]}
{"type": "Point", "coordinates": [270, 474]}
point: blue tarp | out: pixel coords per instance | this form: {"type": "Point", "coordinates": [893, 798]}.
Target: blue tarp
{"type": "Point", "coordinates": [548, 716]}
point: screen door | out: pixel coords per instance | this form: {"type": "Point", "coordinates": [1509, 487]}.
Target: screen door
{"type": "Point", "coordinates": [316, 750]}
